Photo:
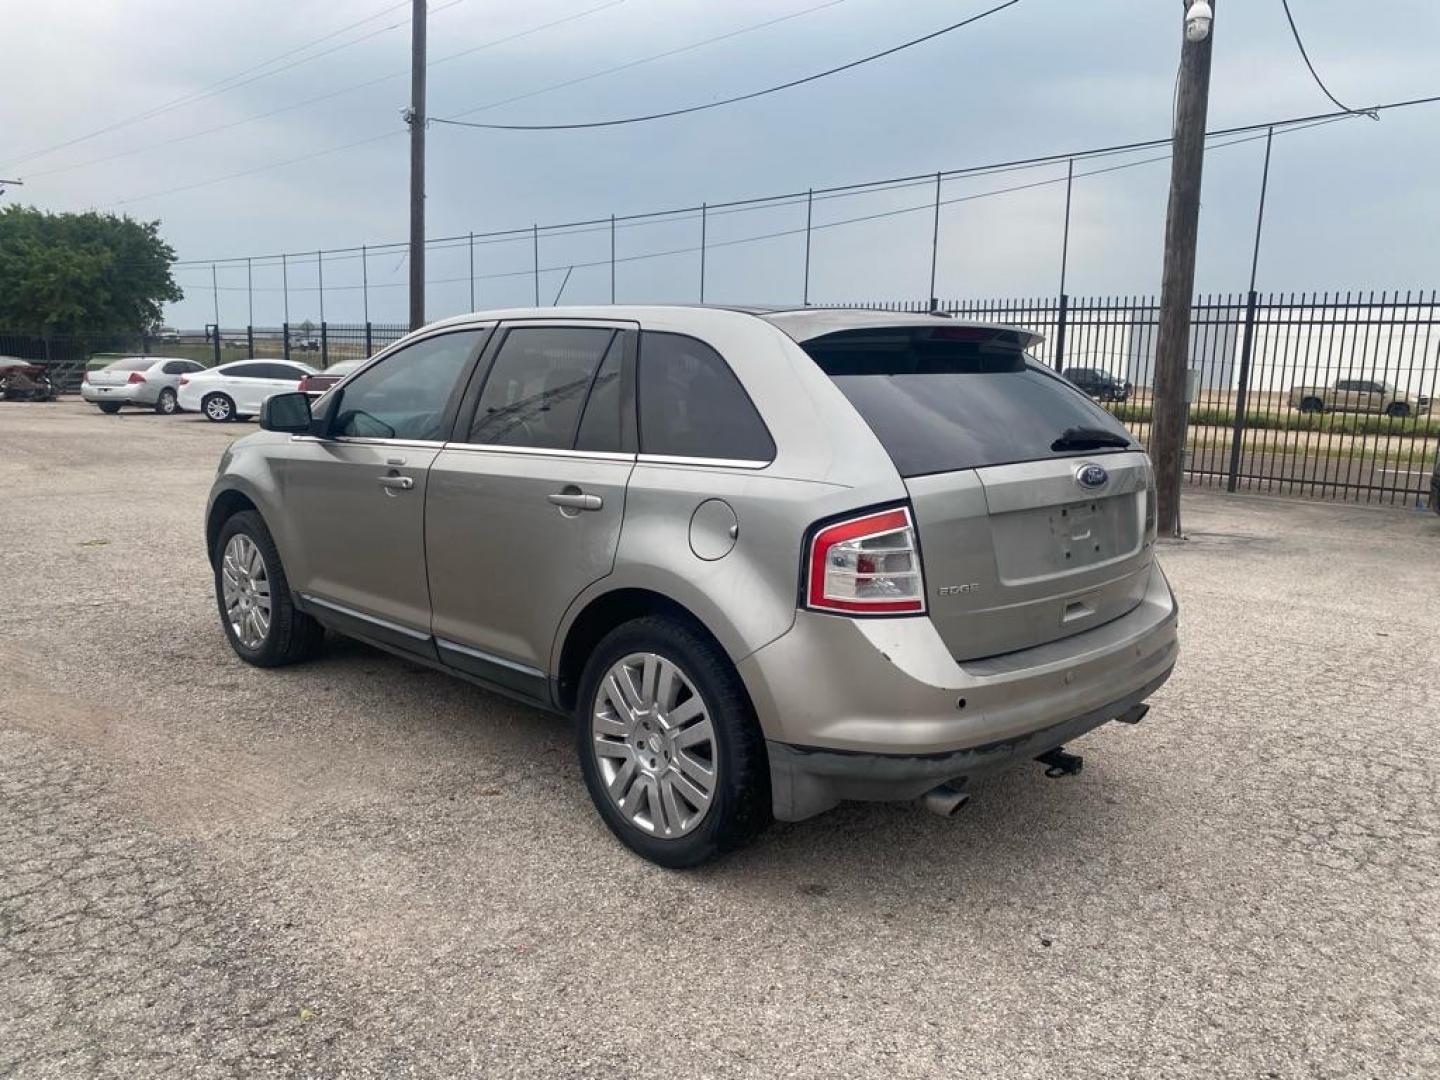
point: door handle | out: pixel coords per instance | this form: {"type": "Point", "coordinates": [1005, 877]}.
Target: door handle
{"type": "Point", "coordinates": [573, 498]}
{"type": "Point", "coordinates": [397, 483]}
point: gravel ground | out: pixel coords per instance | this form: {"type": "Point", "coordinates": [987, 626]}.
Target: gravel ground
{"type": "Point", "coordinates": [359, 868]}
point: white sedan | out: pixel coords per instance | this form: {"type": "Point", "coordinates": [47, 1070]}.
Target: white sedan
{"type": "Point", "coordinates": [235, 391]}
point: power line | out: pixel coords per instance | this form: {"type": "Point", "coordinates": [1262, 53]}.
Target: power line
{"type": "Point", "coordinates": [739, 97]}
{"type": "Point", "coordinates": [230, 81]}
{"type": "Point", "coordinates": [479, 108]}
{"type": "Point", "coordinates": [330, 94]}
{"type": "Point", "coordinates": [1295, 30]}
{"type": "Point", "coordinates": [678, 50]}
{"type": "Point", "coordinates": [841, 190]}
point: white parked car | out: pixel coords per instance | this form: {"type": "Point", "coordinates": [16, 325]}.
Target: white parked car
{"type": "Point", "coordinates": [236, 390]}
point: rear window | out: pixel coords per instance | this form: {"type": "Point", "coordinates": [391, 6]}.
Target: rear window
{"type": "Point", "coordinates": [946, 398]}
{"type": "Point", "coordinates": [132, 363]}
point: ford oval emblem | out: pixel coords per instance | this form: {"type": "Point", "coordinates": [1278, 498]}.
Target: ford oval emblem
{"type": "Point", "coordinates": [1091, 477]}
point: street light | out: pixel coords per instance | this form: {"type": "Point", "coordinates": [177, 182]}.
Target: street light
{"type": "Point", "coordinates": [1197, 21]}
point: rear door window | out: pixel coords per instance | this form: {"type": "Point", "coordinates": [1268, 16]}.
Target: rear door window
{"type": "Point", "coordinates": [538, 385]}
{"type": "Point", "coordinates": [946, 398]}
{"type": "Point", "coordinates": [692, 406]}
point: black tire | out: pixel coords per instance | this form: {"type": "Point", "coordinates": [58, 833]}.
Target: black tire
{"type": "Point", "coordinates": [218, 408]}
{"type": "Point", "coordinates": [740, 807]}
{"type": "Point", "coordinates": [1398, 409]}
{"type": "Point", "coordinates": [167, 404]}
{"type": "Point", "coordinates": [1312, 405]}
{"type": "Point", "coordinates": [109, 408]}
{"type": "Point", "coordinates": [292, 635]}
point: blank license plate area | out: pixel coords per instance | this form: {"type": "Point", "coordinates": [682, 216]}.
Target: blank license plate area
{"type": "Point", "coordinates": [1054, 540]}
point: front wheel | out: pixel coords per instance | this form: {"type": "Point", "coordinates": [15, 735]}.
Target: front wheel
{"type": "Point", "coordinates": [1398, 409]}
{"type": "Point", "coordinates": [166, 404]}
{"type": "Point", "coordinates": [669, 744]}
{"type": "Point", "coordinates": [258, 613]}
{"type": "Point", "coordinates": [218, 407]}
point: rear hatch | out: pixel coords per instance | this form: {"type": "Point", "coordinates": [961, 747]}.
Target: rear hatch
{"type": "Point", "coordinates": [1031, 502]}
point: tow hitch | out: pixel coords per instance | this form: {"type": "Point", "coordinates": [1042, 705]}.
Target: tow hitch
{"type": "Point", "coordinates": [1059, 763]}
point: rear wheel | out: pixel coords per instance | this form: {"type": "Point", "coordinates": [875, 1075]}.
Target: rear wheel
{"type": "Point", "coordinates": [669, 745]}
{"type": "Point", "coordinates": [166, 404]}
{"type": "Point", "coordinates": [218, 407]}
{"type": "Point", "coordinates": [256, 609]}
{"type": "Point", "coordinates": [109, 407]}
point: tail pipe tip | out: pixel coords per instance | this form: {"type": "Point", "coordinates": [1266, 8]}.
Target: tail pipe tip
{"type": "Point", "coordinates": [945, 800]}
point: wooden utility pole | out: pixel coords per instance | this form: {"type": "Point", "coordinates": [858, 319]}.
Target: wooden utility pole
{"type": "Point", "coordinates": [1182, 221]}
{"type": "Point", "coordinates": [415, 117]}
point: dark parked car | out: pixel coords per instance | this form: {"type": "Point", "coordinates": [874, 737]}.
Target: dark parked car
{"type": "Point", "coordinates": [1098, 384]}
{"type": "Point", "coordinates": [21, 380]}
{"type": "Point", "coordinates": [1435, 488]}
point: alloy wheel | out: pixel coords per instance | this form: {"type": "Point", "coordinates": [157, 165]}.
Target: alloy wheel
{"type": "Point", "coordinates": [167, 401]}
{"type": "Point", "coordinates": [246, 591]}
{"type": "Point", "coordinates": [217, 408]}
{"type": "Point", "coordinates": [654, 745]}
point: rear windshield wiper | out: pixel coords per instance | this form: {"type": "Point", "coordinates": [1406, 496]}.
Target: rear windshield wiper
{"type": "Point", "coordinates": [1084, 438]}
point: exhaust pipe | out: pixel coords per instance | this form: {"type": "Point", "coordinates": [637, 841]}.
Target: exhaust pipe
{"type": "Point", "coordinates": [945, 800]}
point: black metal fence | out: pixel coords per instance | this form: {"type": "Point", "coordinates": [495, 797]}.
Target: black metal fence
{"type": "Point", "coordinates": [68, 356]}
{"type": "Point", "coordinates": [1327, 396]}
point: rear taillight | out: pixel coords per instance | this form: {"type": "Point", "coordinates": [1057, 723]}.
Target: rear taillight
{"type": "Point", "coordinates": [85, 378]}
{"type": "Point", "coordinates": [135, 377]}
{"type": "Point", "coordinates": [866, 564]}
{"type": "Point", "coordinates": [184, 380]}
{"type": "Point", "coordinates": [1150, 515]}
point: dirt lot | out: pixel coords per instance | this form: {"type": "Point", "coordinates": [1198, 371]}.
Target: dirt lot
{"type": "Point", "coordinates": [358, 868]}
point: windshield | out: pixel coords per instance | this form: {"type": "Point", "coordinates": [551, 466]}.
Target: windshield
{"type": "Point", "coordinates": [953, 398]}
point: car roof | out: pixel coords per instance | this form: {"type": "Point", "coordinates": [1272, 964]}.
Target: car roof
{"type": "Point", "coordinates": [799, 324]}
{"type": "Point", "coordinates": [262, 360]}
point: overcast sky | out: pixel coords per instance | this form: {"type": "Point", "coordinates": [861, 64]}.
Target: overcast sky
{"type": "Point", "coordinates": [1352, 205]}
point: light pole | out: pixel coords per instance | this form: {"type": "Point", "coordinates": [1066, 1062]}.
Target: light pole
{"type": "Point", "coordinates": [1182, 222]}
{"type": "Point", "coordinates": [415, 117]}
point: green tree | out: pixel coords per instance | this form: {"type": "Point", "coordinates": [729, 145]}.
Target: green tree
{"type": "Point", "coordinates": [71, 273]}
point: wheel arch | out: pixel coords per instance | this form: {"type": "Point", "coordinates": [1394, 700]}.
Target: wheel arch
{"type": "Point", "coordinates": [604, 613]}
{"type": "Point", "coordinates": [226, 505]}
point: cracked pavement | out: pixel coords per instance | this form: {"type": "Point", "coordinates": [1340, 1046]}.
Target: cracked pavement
{"type": "Point", "coordinates": [359, 868]}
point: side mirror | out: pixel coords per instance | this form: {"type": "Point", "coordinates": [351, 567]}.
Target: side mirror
{"type": "Point", "coordinates": [286, 412]}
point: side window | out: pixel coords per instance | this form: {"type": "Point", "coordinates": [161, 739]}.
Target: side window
{"type": "Point", "coordinates": [537, 386]}
{"type": "Point", "coordinates": [691, 404]}
{"type": "Point", "coordinates": [406, 394]}
{"type": "Point", "coordinates": [246, 371]}
{"type": "Point", "coordinates": [603, 421]}
{"type": "Point", "coordinates": [1344, 384]}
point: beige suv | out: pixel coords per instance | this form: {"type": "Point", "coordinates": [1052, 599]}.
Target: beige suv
{"type": "Point", "coordinates": [1359, 395]}
{"type": "Point", "coordinates": [766, 561]}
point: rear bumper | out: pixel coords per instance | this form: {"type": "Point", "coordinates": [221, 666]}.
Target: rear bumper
{"type": "Point", "coordinates": [889, 692]}
{"type": "Point", "coordinates": [805, 781]}
{"type": "Point", "coordinates": [124, 394]}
